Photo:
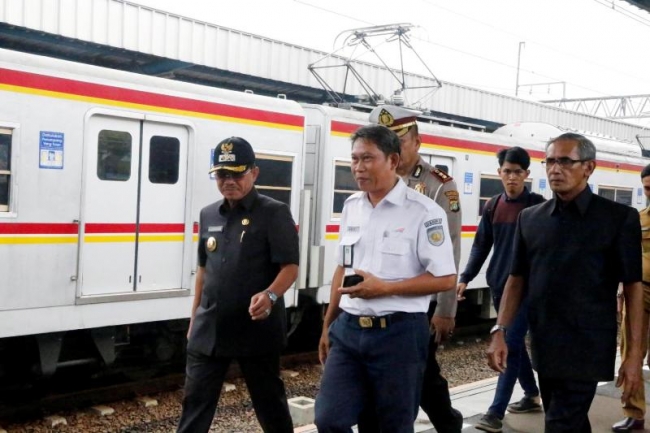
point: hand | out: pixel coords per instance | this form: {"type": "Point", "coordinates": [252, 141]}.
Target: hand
{"type": "Point", "coordinates": [460, 291]}
{"type": "Point", "coordinates": [261, 306]}
{"type": "Point", "coordinates": [443, 327]}
{"type": "Point", "coordinates": [189, 329]}
{"type": "Point", "coordinates": [497, 352]}
{"type": "Point", "coordinates": [323, 346]}
{"type": "Point", "coordinates": [370, 287]}
{"type": "Point", "coordinates": [629, 375]}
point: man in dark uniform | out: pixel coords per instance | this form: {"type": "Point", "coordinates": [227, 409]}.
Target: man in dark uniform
{"type": "Point", "coordinates": [570, 253]}
{"type": "Point", "coordinates": [441, 188]}
{"type": "Point", "coordinates": [248, 258]}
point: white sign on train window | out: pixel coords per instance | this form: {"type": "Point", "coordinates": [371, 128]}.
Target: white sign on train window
{"type": "Point", "coordinates": [51, 150]}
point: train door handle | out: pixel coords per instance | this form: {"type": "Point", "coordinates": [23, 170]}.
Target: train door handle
{"type": "Point", "coordinates": [139, 278]}
{"type": "Point", "coordinates": [129, 278]}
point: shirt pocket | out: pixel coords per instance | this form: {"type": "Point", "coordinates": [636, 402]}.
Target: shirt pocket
{"type": "Point", "coordinates": [395, 257]}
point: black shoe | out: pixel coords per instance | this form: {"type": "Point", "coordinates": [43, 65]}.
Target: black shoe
{"type": "Point", "coordinates": [489, 423]}
{"type": "Point", "coordinates": [525, 405]}
{"type": "Point", "coordinates": [628, 424]}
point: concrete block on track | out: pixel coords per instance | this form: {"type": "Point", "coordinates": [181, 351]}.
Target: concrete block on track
{"type": "Point", "coordinates": [301, 410]}
{"type": "Point", "coordinates": [55, 420]}
{"type": "Point", "coordinates": [147, 401]}
{"type": "Point", "coordinates": [227, 387]}
{"type": "Point", "coordinates": [102, 410]}
{"type": "Point", "coordinates": [287, 374]}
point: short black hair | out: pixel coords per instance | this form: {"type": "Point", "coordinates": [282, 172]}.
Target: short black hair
{"type": "Point", "coordinates": [385, 139]}
{"type": "Point", "coordinates": [646, 171]}
{"type": "Point", "coordinates": [514, 155]}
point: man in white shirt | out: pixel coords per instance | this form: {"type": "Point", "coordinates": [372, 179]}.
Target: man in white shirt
{"type": "Point", "coordinates": [375, 334]}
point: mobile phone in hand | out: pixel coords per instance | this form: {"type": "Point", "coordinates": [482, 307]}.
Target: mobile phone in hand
{"type": "Point", "coordinates": [352, 280]}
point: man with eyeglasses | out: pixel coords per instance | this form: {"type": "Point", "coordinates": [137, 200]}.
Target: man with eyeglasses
{"type": "Point", "coordinates": [570, 253]}
{"type": "Point", "coordinates": [634, 408]}
{"type": "Point", "coordinates": [248, 257]}
{"type": "Point", "coordinates": [497, 228]}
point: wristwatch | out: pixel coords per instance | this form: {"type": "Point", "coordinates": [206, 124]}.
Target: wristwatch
{"type": "Point", "coordinates": [272, 296]}
{"type": "Point", "coordinates": [498, 327]}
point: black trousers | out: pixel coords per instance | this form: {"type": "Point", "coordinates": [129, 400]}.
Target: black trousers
{"type": "Point", "coordinates": [203, 382]}
{"type": "Point", "coordinates": [566, 403]}
{"type": "Point", "coordinates": [435, 401]}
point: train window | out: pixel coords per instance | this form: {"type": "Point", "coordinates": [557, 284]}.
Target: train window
{"type": "Point", "coordinates": [344, 186]}
{"type": "Point", "coordinates": [5, 168]}
{"type": "Point", "coordinates": [114, 155]}
{"type": "Point", "coordinates": [442, 167]}
{"type": "Point", "coordinates": [491, 186]}
{"type": "Point", "coordinates": [164, 155]}
{"type": "Point", "coordinates": [275, 176]}
{"type": "Point", "coordinates": [619, 195]}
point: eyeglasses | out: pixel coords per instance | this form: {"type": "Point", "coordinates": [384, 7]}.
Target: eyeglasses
{"type": "Point", "coordinates": [563, 162]}
{"type": "Point", "coordinates": [225, 174]}
{"type": "Point", "coordinates": [517, 172]}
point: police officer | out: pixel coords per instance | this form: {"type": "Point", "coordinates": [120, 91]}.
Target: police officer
{"type": "Point", "coordinates": [440, 187]}
{"type": "Point", "coordinates": [248, 258]}
{"type": "Point", "coordinates": [397, 241]}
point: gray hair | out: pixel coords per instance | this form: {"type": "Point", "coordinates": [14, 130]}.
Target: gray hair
{"type": "Point", "coordinates": [586, 149]}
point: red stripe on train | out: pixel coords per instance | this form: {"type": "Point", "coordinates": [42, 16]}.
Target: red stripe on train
{"type": "Point", "coordinates": [334, 228]}
{"type": "Point", "coordinates": [39, 229]}
{"type": "Point", "coordinates": [81, 88]}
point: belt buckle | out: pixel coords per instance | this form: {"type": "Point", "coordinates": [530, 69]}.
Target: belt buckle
{"type": "Point", "coordinates": [365, 322]}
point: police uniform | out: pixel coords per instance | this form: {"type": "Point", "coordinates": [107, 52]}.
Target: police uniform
{"type": "Point", "coordinates": [378, 346]}
{"type": "Point", "coordinates": [241, 250]}
{"type": "Point", "coordinates": [441, 188]}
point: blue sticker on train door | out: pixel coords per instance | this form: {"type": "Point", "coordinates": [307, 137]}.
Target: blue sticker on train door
{"type": "Point", "coordinates": [50, 150]}
{"type": "Point", "coordinates": [469, 182]}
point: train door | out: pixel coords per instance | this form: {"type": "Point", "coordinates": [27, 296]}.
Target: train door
{"type": "Point", "coordinates": [133, 209]}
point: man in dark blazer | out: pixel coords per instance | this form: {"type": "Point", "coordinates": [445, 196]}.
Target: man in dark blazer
{"type": "Point", "coordinates": [572, 252]}
{"type": "Point", "coordinates": [248, 258]}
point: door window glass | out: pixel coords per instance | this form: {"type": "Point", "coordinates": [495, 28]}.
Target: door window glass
{"type": "Point", "coordinates": [164, 157]}
{"type": "Point", "coordinates": [114, 155]}
{"type": "Point", "coordinates": [344, 186]}
{"type": "Point", "coordinates": [274, 180]}
{"type": "Point", "coordinates": [5, 169]}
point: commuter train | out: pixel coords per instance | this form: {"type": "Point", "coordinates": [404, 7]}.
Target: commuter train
{"type": "Point", "coordinates": [103, 174]}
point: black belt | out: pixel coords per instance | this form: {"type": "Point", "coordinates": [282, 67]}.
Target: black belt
{"type": "Point", "coordinates": [370, 322]}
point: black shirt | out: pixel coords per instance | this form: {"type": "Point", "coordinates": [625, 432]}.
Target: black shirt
{"type": "Point", "coordinates": [242, 249]}
{"type": "Point", "coordinates": [573, 255]}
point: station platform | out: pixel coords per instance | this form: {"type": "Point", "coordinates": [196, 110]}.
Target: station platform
{"type": "Point", "coordinates": [473, 400]}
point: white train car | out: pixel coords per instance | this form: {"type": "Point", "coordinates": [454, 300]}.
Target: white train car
{"type": "Point", "coordinates": [469, 156]}
{"type": "Point", "coordinates": [103, 174]}
{"type": "Point", "coordinates": [102, 177]}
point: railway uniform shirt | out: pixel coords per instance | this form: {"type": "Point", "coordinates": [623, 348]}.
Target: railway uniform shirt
{"type": "Point", "coordinates": [573, 256]}
{"type": "Point", "coordinates": [403, 236]}
{"type": "Point", "coordinates": [242, 249]}
{"type": "Point", "coordinates": [441, 188]}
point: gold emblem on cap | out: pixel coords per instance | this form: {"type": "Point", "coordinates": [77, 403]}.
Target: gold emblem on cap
{"type": "Point", "coordinates": [245, 222]}
{"type": "Point", "coordinates": [226, 148]}
{"type": "Point", "coordinates": [385, 118]}
{"type": "Point", "coordinates": [211, 244]}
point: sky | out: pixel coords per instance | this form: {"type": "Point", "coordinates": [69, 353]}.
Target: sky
{"type": "Point", "coordinates": [596, 48]}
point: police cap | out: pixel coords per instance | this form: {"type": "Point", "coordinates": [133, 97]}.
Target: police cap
{"type": "Point", "coordinates": [398, 119]}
